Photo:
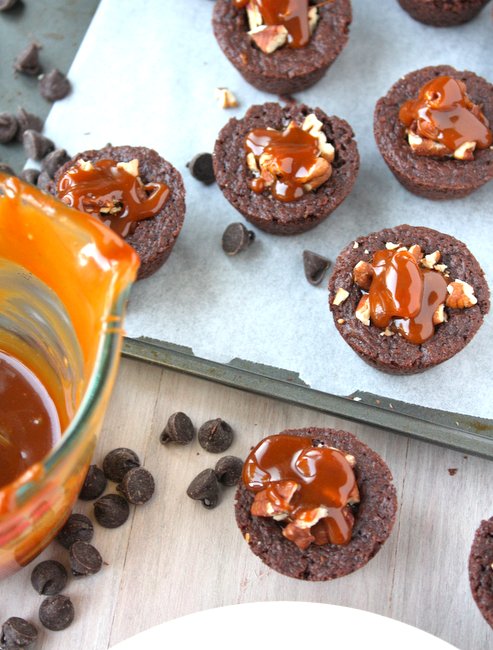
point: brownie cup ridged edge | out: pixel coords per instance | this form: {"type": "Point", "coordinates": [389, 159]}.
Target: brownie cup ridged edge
{"type": "Point", "coordinates": [443, 14]}
{"type": "Point", "coordinates": [394, 354]}
{"type": "Point", "coordinates": [374, 518]}
{"type": "Point", "coordinates": [481, 569]}
{"type": "Point", "coordinates": [153, 239]}
{"type": "Point", "coordinates": [263, 210]}
{"type": "Point", "coordinates": [426, 176]}
{"type": "Point", "coordinates": [285, 70]}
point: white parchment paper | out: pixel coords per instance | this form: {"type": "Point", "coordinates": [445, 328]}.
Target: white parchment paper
{"type": "Point", "coordinates": [146, 74]}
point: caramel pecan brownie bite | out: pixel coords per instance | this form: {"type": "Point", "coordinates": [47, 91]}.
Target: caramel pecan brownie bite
{"type": "Point", "coordinates": [281, 46]}
{"type": "Point", "coordinates": [443, 13]}
{"type": "Point", "coordinates": [285, 169]}
{"type": "Point", "coordinates": [481, 569]}
{"type": "Point", "coordinates": [315, 504]}
{"type": "Point", "coordinates": [134, 191]}
{"type": "Point", "coordinates": [433, 131]}
{"type": "Point", "coordinates": [407, 298]}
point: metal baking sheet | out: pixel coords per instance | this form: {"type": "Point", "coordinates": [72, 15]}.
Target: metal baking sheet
{"type": "Point", "coordinates": [156, 88]}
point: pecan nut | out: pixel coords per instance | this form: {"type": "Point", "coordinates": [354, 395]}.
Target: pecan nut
{"type": "Point", "coordinates": [461, 295]}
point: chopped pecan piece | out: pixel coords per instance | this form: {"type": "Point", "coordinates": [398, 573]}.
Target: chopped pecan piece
{"type": "Point", "coordinates": [322, 531]}
{"type": "Point", "coordinates": [416, 252]}
{"type": "Point", "coordinates": [340, 297]}
{"type": "Point", "coordinates": [465, 151]}
{"type": "Point", "coordinates": [461, 295]}
{"type": "Point", "coordinates": [362, 312]}
{"type": "Point", "coordinates": [426, 147]}
{"type": "Point", "coordinates": [318, 174]}
{"type": "Point", "coordinates": [302, 537]}
{"type": "Point", "coordinates": [362, 275]}
{"type": "Point", "coordinates": [269, 38]}
{"type": "Point", "coordinates": [439, 316]}
{"type": "Point", "coordinates": [430, 260]}
{"type": "Point", "coordinates": [274, 500]}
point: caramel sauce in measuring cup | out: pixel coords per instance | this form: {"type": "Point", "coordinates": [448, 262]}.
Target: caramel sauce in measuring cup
{"type": "Point", "coordinates": [443, 112]}
{"type": "Point", "coordinates": [323, 475]}
{"type": "Point", "coordinates": [50, 255]}
{"type": "Point", "coordinates": [29, 422]}
{"type": "Point", "coordinates": [404, 295]}
{"type": "Point", "coordinates": [294, 152]}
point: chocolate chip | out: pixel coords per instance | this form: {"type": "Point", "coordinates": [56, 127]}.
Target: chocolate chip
{"type": "Point", "coordinates": [17, 632]}
{"type": "Point", "coordinates": [215, 436]}
{"type": "Point", "coordinates": [94, 484]}
{"type": "Point", "coordinates": [8, 127]}
{"type": "Point", "coordinates": [30, 176]}
{"type": "Point", "coordinates": [27, 121]}
{"type": "Point", "coordinates": [179, 429]}
{"type": "Point", "coordinates": [54, 86]}
{"type": "Point", "coordinates": [236, 238]}
{"type": "Point", "coordinates": [228, 470]}
{"type": "Point", "coordinates": [49, 577]}
{"type": "Point", "coordinates": [54, 160]}
{"type": "Point", "coordinates": [201, 168]}
{"type": "Point", "coordinates": [118, 462]}
{"type": "Point", "coordinates": [111, 511]}
{"type": "Point", "coordinates": [28, 60]}
{"type": "Point", "coordinates": [315, 267]}
{"type": "Point", "coordinates": [7, 4]}
{"type": "Point", "coordinates": [137, 486]}
{"type": "Point", "coordinates": [56, 612]}
{"type": "Point", "coordinates": [36, 145]}
{"type": "Point", "coordinates": [205, 488]}
{"type": "Point", "coordinates": [77, 528]}
{"type": "Point", "coordinates": [44, 180]}
{"type": "Point", "coordinates": [6, 169]}
{"type": "Point", "coordinates": [85, 559]}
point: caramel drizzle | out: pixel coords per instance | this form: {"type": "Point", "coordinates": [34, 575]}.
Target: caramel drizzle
{"type": "Point", "coordinates": [312, 486]}
{"type": "Point", "coordinates": [291, 153]}
{"type": "Point", "coordinates": [104, 188]}
{"type": "Point", "coordinates": [444, 113]}
{"type": "Point", "coordinates": [293, 14]}
{"type": "Point", "coordinates": [404, 295]}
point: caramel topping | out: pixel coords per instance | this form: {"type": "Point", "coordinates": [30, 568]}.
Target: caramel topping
{"type": "Point", "coordinates": [309, 484]}
{"type": "Point", "coordinates": [293, 14]}
{"type": "Point", "coordinates": [106, 189]}
{"type": "Point", "coordinates": [445, 114]}
{"type": "Point", "coordinates": [29, 423]}
{"type": "Point", "coordinates": [287, 159]}
{"type": "Point", "coordinates": [404, 295]}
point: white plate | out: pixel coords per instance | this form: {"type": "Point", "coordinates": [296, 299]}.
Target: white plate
{"type": "Point", "coordinates": [285, 626]}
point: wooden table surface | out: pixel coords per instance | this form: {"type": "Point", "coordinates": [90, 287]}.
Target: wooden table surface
{"type": "Point", "coordinates": [174, 557]}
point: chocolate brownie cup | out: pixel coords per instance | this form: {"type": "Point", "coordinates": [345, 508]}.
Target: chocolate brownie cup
{"type": "Point", "coordinates": [235, 176]}
{"type": "Point", "coordinates": [481, 569]}
{"type": "Point", "coordinates": [156, 184]}
{"type": "Point", "coordinates": [407, 298]}
{"type": "Point", "coordinates": [286, 69]}
{"type": "Point", "coordinates": [424, 175]}
{"type": "Point", "coordinates": [316, 550]}
{"type": "Point", "coordinates": [443, 13]}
